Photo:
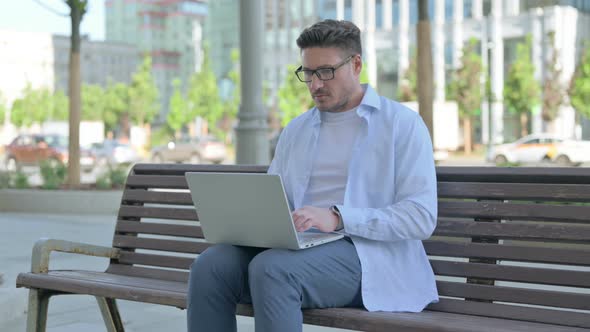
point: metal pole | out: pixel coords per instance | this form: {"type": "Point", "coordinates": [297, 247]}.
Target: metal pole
{"type": "Point", "coordinates": [252, 129]}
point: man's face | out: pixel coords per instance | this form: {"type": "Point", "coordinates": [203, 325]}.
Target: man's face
{"type": "Point", "coordinates": [331, 95]}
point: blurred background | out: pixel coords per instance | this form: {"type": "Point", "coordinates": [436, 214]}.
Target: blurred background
{"type": "Point", "coordinates": [160, 79]}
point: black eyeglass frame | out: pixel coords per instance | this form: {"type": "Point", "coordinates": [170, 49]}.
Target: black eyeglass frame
{"type": "Point", "coordinates": [316, 72]}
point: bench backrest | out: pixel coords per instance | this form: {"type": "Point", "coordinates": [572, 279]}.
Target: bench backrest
{"type": "Point", "coordinates": [506, 237]}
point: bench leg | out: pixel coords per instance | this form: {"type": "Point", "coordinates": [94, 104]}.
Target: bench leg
{"type": "Point", "coordinates": [110, 314]}
{"type": "Point", "coordinates": [37, 311]}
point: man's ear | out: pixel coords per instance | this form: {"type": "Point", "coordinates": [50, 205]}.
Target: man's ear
{"type": "Point", "coordinates": [358, 64]}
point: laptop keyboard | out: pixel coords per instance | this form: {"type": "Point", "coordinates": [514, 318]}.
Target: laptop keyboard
{"type": "Point", "coordinates": [312, 236]}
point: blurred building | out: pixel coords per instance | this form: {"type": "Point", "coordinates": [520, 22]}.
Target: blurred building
{"type": "Point", "coordinates": [101, 62]}
{"type": "Point", "coordinates": [42, 59]}
{"type": "Point", "coordinates": [389, 42]}
{"type": "Point", "coordinates": [170, 31]}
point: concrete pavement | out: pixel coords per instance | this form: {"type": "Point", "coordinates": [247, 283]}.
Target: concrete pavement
{"type": "Point", "coordinates": [76, 313]}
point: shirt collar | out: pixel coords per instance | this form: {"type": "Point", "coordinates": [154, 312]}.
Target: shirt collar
{"type": "Point", "coordinates": [369, 103]}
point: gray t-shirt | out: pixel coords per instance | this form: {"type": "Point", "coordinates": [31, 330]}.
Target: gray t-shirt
{"type": "Point", "coordinates": [327, 183]}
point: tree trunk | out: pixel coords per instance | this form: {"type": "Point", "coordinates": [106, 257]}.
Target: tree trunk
{"type": "Point", "coordinates": [73, 178]}
{"type": "Point", "coordinates": [425, 84]}
{"type": "Point", "coordinates": [523, 125]}
{"type": "Point", "coordinates": [467, 135]}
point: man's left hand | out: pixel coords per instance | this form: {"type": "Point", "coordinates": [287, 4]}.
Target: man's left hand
{"type": "Point", "coordinates": [311, 216]}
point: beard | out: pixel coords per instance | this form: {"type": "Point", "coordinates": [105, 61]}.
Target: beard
{"type": "Point", "coordinates": [338, 107]}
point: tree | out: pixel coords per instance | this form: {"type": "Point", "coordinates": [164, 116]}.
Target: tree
{"type": "Point", "coordinates": [553, 91]}
{"type": "Point", "coordinates": [425, 83]}
{"type": "Point", "coordinates": [36, 106]}
{"type": "Point", "coordinates": [93, 102]}
{"type": "Point", "coordinates": [408, 90]}
{"type": "Point", "coordinates": [77, 11]}
{"type": "Point", "coordinates": [521, 90]}
{"type": "Point", "coordinates": [61, 105]}
{"type": "Point", "coordinates": [178, 115]}
{"type": "Point", "coordinates": [144, 102]}
{"type": "Point", "coordinates": [294, 97]}
{"type": "Point", "coordinates": [466, 89]}
{"type": "Point", "coordinates": [116, 103]}
{"type": "Point", "coordinates": [579, 89]}
{"type": "Point", "coordinates": [2, 109]}
{"type": "Point", "coordinates": [203, 95]}
{"type": "Point", "coordinates": [231, 105]}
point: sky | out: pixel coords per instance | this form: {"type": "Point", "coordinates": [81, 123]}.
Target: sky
{"type": "Point", "coordinates": [30, 16]}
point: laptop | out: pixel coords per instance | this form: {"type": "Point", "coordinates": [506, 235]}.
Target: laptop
{"type": "Point", "coordinates": [248, 209]}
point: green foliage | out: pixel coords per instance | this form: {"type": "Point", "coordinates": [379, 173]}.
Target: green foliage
{"type": "Point", "coordinates": [579, 89]}
{"type": "Point", "coordinates": [178, 115]}
{"type": "Point", "coordinates": [294, 97]}
{"type": "Point", "coordinates": [408, 89]}
{"type": "Point", "coordinates": [161, 136]}
{"type": "Point", "coordinates": [2, 109]}
{"type": "Point", "coordinates": [5, 180]}
{"type": "Point", "coordinates": [364, 77]}
{"type": "Point", "coordinates": [93, 102]}
{"type": "Point", "coordinates": [203, 95]}
{"type": "Point", "coordinates": [465, 87]}
{"type": "Point", "coordinates": [116, 103]}
{"type": "Point", "coordinates": [143, 94]}
{"type": "Point", "coordinates": [114, 178]}
{"type": "Point", "coordinates": [232, 105]}
{"type": "Point", "coordinates": [521, 90]}
{"type": "Point", "coordinates": [38, 106]}
{"type": "Point", "coordinates": [21, 180]}
{"type": "Point", "coordinates": [53, 174]}
{"type": "Point", "coordinates": [553, 91]}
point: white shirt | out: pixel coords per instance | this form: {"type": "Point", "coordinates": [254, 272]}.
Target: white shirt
{"type": "Point", "coordinates": [329, 170]}
{"type": "Point", "coordinates": [390, 202]}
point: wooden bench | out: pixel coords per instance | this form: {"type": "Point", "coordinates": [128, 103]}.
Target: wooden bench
{"type": "Point", "coordinates": [511, 253]}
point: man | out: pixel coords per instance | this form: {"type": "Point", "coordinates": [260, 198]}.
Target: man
{"type": "Point", "coordinates": [358, 164]}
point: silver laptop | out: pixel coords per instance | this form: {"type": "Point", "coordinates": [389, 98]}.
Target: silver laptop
{"type": "Point", "coordinates": [249, 210]}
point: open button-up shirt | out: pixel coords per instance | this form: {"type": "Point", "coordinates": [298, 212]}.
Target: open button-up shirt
{"type": "Point", "coordinates": [390, 202]}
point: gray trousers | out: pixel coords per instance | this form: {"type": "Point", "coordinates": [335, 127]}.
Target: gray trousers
{"type": "Point", "coordinates": [277, 282]}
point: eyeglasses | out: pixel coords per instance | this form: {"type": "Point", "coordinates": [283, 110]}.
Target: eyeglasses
{"type": "Point", "coordinates": [324, 74]}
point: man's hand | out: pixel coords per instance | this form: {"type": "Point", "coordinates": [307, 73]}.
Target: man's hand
{"type": "Point", "coordinates": [311, 216]}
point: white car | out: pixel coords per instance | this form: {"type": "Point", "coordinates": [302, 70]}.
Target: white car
{"type": "Point", "coordinates": [541, 148]}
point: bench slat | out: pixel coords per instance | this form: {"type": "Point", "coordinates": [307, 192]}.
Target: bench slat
{"type": "Point", "coordinates": [155, 273]}
{"type": "Point", "coordinates": [512, 273]}
{"type": "Point", "coordinates": [545, 175]}
{"type": "Point", "coordinates": [157, 181]}
{"type": "Point", "coordinates": [180, 169]}
{"type": "Point", "coordinates": [157, 197]}
{"type": "Point", "coordinates": [133, 242]}
{"type": "Point", "coordinates": [141, 290]}
{"type": "Point", "coordinates": [129, 257]}
{"type": "Point", "coordinates": [513, 211]}
{"type": "Point", "coordinates": [508, 252]}
{"type": "Point", "coordinates": [128, 211]}
{"type": "Point", "coordinates": [515, 191]}
{"type": "Point", "coordinates": [514, 294]}
{"type": "Point", "coordinates": [127, 226]}
{"type": "Point", "coordinates": [511, 230]}
{"type": "Point", "coordinates": [540, 315]}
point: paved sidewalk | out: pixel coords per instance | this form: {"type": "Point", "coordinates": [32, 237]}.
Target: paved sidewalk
{"type": "Point", "coordinates": [76, 313]}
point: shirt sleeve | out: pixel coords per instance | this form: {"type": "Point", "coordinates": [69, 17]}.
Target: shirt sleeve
{"type": "Point", "coordinates": [413, 214]}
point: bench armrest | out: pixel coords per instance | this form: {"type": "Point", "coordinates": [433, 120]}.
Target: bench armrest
{"type": "Point", "coordinates": [43, 248]}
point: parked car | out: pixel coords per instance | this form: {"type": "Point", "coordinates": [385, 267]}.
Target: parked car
{"type": "Point", "coordinates": [112, 153]}
{"type": "Point", "coordinates": [194, 150]}
{"type": "Point", "coordinates": [538, 148]}
{"type": "Point", "coordinates": [32, 149]}
{"type": "Point", "coordinates": [572, 153]}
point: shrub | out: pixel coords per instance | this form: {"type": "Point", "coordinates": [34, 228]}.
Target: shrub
{"type": "Point", "coordinates": [21, 180]}
{"type": "Point", "coordinates": [53, 174]}
{"type": "Point", "coordinates": [113, 178]}
{"type": "Point", "coordinates": [5, 180]}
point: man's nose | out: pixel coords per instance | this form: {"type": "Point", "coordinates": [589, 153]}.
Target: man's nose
{"type": "Point", "coordinates": [315, 83]}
